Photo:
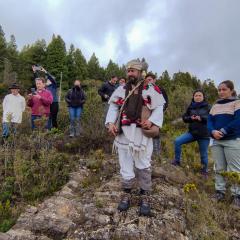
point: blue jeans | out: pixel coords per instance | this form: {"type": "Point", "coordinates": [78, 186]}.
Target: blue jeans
{"type": "Point", "coordinates": [34, 117]}
{"type": "Point", "coordinates": [7, 127]}
{"type": "Point", "coordinates": [188, 138]}
{"type": "Point", "coordinates": [75, 114]}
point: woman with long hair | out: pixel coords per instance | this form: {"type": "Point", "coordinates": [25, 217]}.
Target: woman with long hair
{"type": "Point", "coordinates": [224, 127]}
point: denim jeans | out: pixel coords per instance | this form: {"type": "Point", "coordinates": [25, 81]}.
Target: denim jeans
{"type": "Point", "coordinates": [8, 127]}
{"type": "Point", "coordinates": [34, 117]}
{"type": "Point", "coordinates": [75, 114]}
{"type": "Point", "coordinates": [188, 138]}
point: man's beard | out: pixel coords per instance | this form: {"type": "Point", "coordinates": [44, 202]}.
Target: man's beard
{"type": "Point", "coordinates": [132, 80]}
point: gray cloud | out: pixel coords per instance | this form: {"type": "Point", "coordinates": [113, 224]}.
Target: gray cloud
{"type": "Point", "coordinates": [201, 37]}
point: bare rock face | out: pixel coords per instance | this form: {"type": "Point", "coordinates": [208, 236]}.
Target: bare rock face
{"type": "Point", "coordinates": [77, 212]}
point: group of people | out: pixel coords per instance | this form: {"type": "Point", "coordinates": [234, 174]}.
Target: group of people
{"type": "Point", "coordinates": [43, 102]}
{"type": "Point", "coordinates": [125, 121]}
{"type": "Point", "coordinates": [221, 122]}
{"type": "Point", "coordinates": [134, 110]}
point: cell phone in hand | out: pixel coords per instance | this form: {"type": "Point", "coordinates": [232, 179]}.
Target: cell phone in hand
{"type": "Point", "coordinates": [33, 91]}
{"type": "Point", "coordinates": [37, 68]}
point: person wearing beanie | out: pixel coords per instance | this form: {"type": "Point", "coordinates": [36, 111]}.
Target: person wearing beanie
{"type": "Point", "coordinates": [124, 121]}
{"type": "Point", "coordinates": [196, 116]}
{"type": "Point", "coordinates": [13, 106]}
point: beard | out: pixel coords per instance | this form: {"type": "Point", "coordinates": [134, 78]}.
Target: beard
{"type": "Point", "coordinates": [132, 80]}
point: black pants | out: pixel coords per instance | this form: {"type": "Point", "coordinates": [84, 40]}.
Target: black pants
{"type": "Point", "coordinates": [53, 114]}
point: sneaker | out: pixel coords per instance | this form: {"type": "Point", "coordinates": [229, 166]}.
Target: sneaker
{"type": "Point", "coordinates": [236, 201]}
{"type": "Point", "coordinates": [175, 163]}
{"type": "Point", "coordinates": [144, 208]}
{"type": "Point", "coordinates": [71, 135]}
{"type": "Point", "coordinates": [124, 203]}
{"type": "Point", "coordinates": [219, 196]}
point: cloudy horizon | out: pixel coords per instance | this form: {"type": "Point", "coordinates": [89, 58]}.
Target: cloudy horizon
{"type": "Point", "coordinates": [199, 37]}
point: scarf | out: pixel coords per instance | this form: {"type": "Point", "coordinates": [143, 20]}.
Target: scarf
{"type": "Point", "coordinates": [198, 104]}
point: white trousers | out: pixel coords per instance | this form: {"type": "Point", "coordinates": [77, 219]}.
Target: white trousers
{"type": "Point", "coordinates": [128, 162]}
{"type": "Point", "coordinates": [133, 164]}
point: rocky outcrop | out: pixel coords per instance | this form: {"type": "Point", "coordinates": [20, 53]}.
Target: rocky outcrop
{"type": "Point", "coordinates": [88, 211]}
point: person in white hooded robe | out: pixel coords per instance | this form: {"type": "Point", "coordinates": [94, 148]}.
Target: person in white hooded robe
{"type": "Point", "coordinates": [134, 148]}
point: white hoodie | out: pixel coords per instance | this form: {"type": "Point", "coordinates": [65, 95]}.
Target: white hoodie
{"type": "Point", "coordinates": [13, 107]}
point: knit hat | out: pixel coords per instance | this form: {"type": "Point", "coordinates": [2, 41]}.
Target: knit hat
{"type": "Point", "coordinates": [14, 86]}
{"type": "Point", "coordinates": [135, 64]}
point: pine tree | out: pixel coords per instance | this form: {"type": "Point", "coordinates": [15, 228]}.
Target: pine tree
{"type": "Point", "coordinates": [31, 55]}
{"type": "Point", "coordinates": [70, 64]}
{"type": "Point", "coordinates": [210, 90]}
{"type": "Point", "coordinates": [10, 62]}
{"type": "Point", "coordinates": [39, 52]}
{"type": "Point", "coordinates": [165, 81]}
{"type": "Point", "coordinates": [123, 71]}
{"type": "Point", "coordinates": [80, 64]}
{"type": "Point", "coordinates": [94, 70]}
{"type": "Point", "coordinates": [25, 74]}
{"type": "Point", "coordinates": [56, 57]}
{"type": "Point", "coordinates": [3, 51]}
{"type": "Point", "coordinates": [112, 70]}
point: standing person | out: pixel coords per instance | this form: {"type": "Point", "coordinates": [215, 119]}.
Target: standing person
{"type": "Point", "coordinates": [151, 78]}
{"type": "Point", "coordinates": [106, 91]}
{"type": "Point", "coordinates": [40, 101]}
{"type": "Point", "coordinates": [51, 85]}
{"type": "Point", "coordinates": [134, 148]}
{"type": "Point", "coordinates": [122, 81]}
{"type": "Point", "coordinates": [224, 127]}
{"type": "Point", "coordinates": [196, 116]}
{"type": "Point", "coordinates": [13, 106]}
{"type": "Point", "coordinates": [75, 99]}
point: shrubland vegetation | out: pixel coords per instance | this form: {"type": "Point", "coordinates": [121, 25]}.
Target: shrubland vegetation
{"type": "Point", "coordinates": [35, 164]}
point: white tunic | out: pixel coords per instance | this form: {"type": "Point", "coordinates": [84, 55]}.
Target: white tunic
{"type": "Point", "coordinates": [13, 107]}
{"type": "Point", "coordinates": [132, 137]}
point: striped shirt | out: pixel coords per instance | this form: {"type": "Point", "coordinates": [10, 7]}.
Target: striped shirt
{"type": "Point", "coordinates": [225, 116]}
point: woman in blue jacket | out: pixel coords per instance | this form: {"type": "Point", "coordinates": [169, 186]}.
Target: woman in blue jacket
{"type": "Point", "coordinates": [224, 127]}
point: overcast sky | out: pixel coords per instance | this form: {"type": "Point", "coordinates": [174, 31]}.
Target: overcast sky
{"type": "Point", "coordinates": [198, 36]}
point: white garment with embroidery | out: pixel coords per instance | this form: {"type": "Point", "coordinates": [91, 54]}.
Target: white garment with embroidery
{"type": "Point", "coordinates": [132, 138]}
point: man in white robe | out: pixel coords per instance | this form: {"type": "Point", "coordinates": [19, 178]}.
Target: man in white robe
{"type": "Point", "coordinates": [134, 148]}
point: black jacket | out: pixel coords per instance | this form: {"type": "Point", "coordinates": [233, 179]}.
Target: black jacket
{"type": "Point", "coordinates": [197, 128]}
{"type": "Point", "coordinates": [75, 97]}
{"type": "Point", "coordinates": [106, 89]}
